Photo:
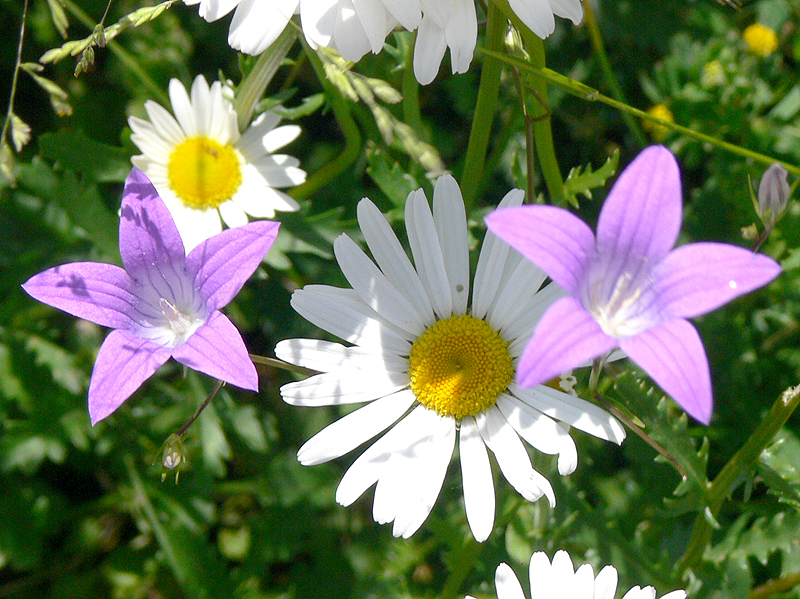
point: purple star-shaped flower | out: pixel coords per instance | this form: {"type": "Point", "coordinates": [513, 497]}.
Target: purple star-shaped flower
{"type": "Point", "coordinates": [163, 303]}
{"type": "Point", "coordinates": [627, 287]}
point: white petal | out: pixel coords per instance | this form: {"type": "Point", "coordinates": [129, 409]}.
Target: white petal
{"type": "Point", "coordinates": [461, 33]}
{"type": "Point", "coordinates": [195, 226]}
{"type": "Point", "coordinates": [341, 313]}
{"type": "Point", "coordinates": [563, 569]}
{"type": "Point", "coordinates": [675, 595]}
{"type": "Point", "coordinates": [318, 18]}
{"type": "Point", "coordinates": [410, 483]}
{"type": "Point", "coordinates": [476, 474]}
{"type": "Point", "coordinates": [520, 329]}
{"type": "Point", "coordinates": [258, 23]}
{"type": "Point", "coordinates": [349, 36]}
{"type": "Point", "coordinates": [406, 11]}
{"type": "Point", "coordinates": [164, 123]}
{"type": "Point", "coordinates": [326, 356]}
{"type": "Point", "coordinates": [427, 252]}
{"type": "Point", "coordinates": [374, 288]}
{"type": "Point", "coordinates": [375, 20]}
{"type": "Point", "coordinates": [512, 457]}
{"type": "Point", "coordinates": [536, 14]}
{"type": "Point", "coordinates": [182, 108]}
{"type": "Point", "coordinates": [450, 219]}
{"type": "Point", "coordinates": [605, 585]}
{"type": "Point", "coordinates": [232, 214]}
{"type": "Point", "coordinates": [640, 593]}
{"type": "Point", "coordinates": [343, 386]}
{"type": "Point", "coordinates": [569, 9]}
{"type": "Point", "coordinates": [507, 583]}
{"type": "Point", "coordinates": [543, 433]}
{"type": "Point", "coordinates": [583, 583]}
{"type": "Point", "coordinates": [489, 273]}
{"type": "Point", "coordinates": [428, 50]}
{"type": "Point", "coordinates": [544, 584]}
{"type": "Point", "coordinates": [352, 430]}
{"type": "Point", "coordinates": [517, 294]}
{"type": "Point", "coordinates": [572, 410]}
{"type": "Point", "coordinates": [392, 259]}
{"type": "Point", "coordinates": [211, 10]}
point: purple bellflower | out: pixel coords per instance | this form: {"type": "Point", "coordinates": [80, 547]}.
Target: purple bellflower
{"type": "Point", "coordinates": [627, 287]}
{"type": "Point", "coordinates": [163, 303]}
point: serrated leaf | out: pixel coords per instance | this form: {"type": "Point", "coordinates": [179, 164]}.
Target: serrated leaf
{"type": "Point", "coordinates": [779, 467]}
{"type": "Point", "coordinates": [581, 181]}
{"type": "Point", "coordinates": [670, 431]}
{"type": "Point", "coordinates": [74, 151]}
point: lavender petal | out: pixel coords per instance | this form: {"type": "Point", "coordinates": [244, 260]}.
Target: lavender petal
{"type": "Point", "coordinates": [566, 337]}
{"type": "Point", "coordinates": [93, 291]}
{"type": "Point", "coordinates": [642, 214]}
{"type": "Point", "coordinates": [217, 349]}
{"type": "Point", "coordinates": [223, 263]}
{"type": "Point", "coordinates": [699, 277]}
{"type": "Point", "coordinates": [673, 355]}
{"type": "Point", "coordinates": [123, 363]}
{"type": "Point", "coordinates": [556, 241]}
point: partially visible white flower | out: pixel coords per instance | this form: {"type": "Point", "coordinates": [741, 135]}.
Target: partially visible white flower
{"type": "Point", "coordinates": [205, 170]}
{"type": "Point", "coordinates": [354, 28]}
{"type": "Point", "coordinates": [434, 369]}
{"type": "Point", "coordinates": [559, 580]}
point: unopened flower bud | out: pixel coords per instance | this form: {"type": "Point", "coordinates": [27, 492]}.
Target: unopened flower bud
{"type": "Point", "coordinates": [173, 455]}
{"type": "Point", "coordinates": [773, 194]}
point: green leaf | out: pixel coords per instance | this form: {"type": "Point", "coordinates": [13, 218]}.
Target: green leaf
{"type": "Point", "coordinates": [388, 175]}
{"type": "Point", "coordinates": [581, 181]}
{"type": "Point", "coordinates": [779, 467]}
{"type": "Point", "coordinates": [72, 150]}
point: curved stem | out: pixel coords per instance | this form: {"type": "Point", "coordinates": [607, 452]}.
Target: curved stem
{"type": "Point", "coordinates": [726, 480]}
{"type": "Point", "coordinates": [15, 78]}
{"type": "Point", "coordinates": [485, 108]}
{"type": "Point", "coordinates": [608, 72]}
{"type": "Point", "coordinates": [585, 92]}
{"type": "Point", "coordinates": [352, 136]}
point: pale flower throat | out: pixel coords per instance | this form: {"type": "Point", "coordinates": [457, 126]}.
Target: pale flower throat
{"type": "Point", "coordinates": [459, 366]}
{"type": "Point", "coordinates": [204, 173]}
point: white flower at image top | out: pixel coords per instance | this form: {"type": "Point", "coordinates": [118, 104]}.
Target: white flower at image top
{"type": "Point", "coordinates": [433, 368]}
{"type": "Point", "coordinates": [354, 28]}
{"type": "Point", "coordinates": [559, 580]}
{"type": "Point", "coordinates": [202, 167]}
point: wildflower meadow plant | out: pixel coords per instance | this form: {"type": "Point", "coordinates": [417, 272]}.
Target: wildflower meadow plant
{"type": "Point", "coordinates": [627, 287]}
{"type": "Point", "coordinates": [163, 303]}
{"type": "Point", "coordinates": [465, 369]}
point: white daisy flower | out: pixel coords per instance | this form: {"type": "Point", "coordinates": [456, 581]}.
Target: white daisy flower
{"type": "Point", "coordinates": [433, 369]}
{"type": "Point", "coordinates": [558, 580]}
{"type": "Point", "coordinates": [354, 28]}
{"type": "Point", "coordinates": [204, 169]}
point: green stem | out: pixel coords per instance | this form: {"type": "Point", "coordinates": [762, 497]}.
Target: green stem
{"type": "Point", "coordinates": [608, 72]}
{"type": "Point", "coordinates": [275, 363]}
{"type": "Point", "coordinates": [123, 55]}
{"type": "Point", "coordinates": [485, 108]}
{"type": "Point", "coordinates": [543, 125]}
{"type": "Point", "coordinates": [15, 78]}
{"type": "Point", "coordinates": [260, 75]}
{"type": "Point", "coordinates": [411, 112]}
{"type": "Point", "coordinates": [773, 587]}
{"type": "Point", "coordinates": [585, 92]}
{"type": "Point", "coordinates": [352, 136]}
{"type": "Point", "coordinates": [464, 562]}
{"type": "Point", "coordinates": [728, 477]}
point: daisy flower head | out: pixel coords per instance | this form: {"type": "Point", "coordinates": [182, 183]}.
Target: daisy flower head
{"type": "Point", "coordinates": [355, 28]}
{"type": "Point", "coordinates": [205, 170]}
{"type": "Point", "coordinates": [559, 580]}
{"type": "Point", "coordinates": [434, 366]}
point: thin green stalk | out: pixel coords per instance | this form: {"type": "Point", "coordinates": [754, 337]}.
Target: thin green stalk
{"type": "Point", "coordinates": [411, 112]}
{"type": "Point", "coordinates": [608, 72]}
{"type": "Point", "coordinates": [485, 108]}
{"type": "Point", "coordinates": [543, 124]}
{"type": "Point", "coordinates": [123, 55]}
{"type": "Point", "coordinates": [773, 587]}
{"type": "Point", "coordinates": [15, 78]}
{"type": "Point", "coordinates": [260, 75]}
{"type": "Point", "coordinates": [585, 92]}
{"type": "Point", "coordinates": [352, 136]}
{"type": "Point", "coordinates": [727, 478]}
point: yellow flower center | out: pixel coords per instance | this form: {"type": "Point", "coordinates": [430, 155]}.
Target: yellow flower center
{"type": "Point", "coordinates": [459, 366]}
{"type": "Point", "coordinates": [203, 173]}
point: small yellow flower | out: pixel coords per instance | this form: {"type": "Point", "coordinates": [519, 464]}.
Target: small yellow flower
{"type": "Point", "coordinates": [658, 132]}
{"type": "Point", "coordinates": [760, 39]}
{"type": "Point", "coordinates": [713, 74]}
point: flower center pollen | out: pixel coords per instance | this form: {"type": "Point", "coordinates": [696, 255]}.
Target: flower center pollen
{"type": "Point", "coordinates": [459, 366]}
{"type": "Point", "coordinates": [204, 173]}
